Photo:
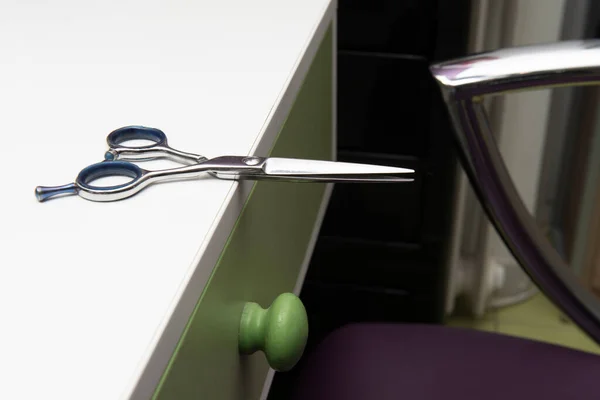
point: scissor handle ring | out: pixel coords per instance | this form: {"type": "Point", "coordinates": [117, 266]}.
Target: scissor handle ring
{"type": "Point", "coordinates": [118, 136]}
{"type": "Point", "coordinates": [105, 169]}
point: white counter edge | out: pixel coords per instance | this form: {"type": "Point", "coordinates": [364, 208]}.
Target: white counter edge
{"type": "Point", "coordinates": [324, 203]}
{"type": "Point", "coordinates": [151, 369]}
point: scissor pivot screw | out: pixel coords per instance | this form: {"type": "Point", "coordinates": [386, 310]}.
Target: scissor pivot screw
{"type": "Point", "coordinates": [251, 160]}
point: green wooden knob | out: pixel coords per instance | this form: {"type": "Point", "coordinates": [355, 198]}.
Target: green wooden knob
{"type": "Point", "coordinates": [279, 331]}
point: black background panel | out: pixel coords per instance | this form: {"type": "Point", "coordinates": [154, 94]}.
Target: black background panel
{"type": "Point", "coordinates": [383, 104]}
{"type": "Point", "coordinates": [357, 261]}
{"type": "Point", "coordinates": [387, 26]}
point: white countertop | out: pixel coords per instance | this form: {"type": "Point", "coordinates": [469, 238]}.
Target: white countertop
{"type": "Point", "coordinates": [89, 290]}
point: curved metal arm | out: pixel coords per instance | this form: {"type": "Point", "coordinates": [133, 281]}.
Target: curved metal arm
{"type": "Point", "coordinates": [463, 82]}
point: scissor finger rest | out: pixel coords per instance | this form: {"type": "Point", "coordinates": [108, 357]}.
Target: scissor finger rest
{"type": "Point", "coordinates": [84, 188]}
{"type": "Point", "coordinates": [158, 149]}
{"type": "Point", "coordinates": [117, 149]}
{"type": "Point", "coordinates": [126, 133]}
{"type": "Point", "coordinates": [108, 169]}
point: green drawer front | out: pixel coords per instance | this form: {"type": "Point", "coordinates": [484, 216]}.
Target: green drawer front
{"type": "Point", "coordinates": [261, 259]}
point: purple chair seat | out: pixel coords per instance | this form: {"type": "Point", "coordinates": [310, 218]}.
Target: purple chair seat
{"type": "Point", "coordinates": [423, 362]}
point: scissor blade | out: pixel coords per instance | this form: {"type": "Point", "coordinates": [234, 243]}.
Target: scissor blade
{"type": "Point", "coordinates": [334, 171]}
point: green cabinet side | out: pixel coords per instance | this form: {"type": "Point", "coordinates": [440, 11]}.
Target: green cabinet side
{"type": "Point", "coordinates": [261, 259]}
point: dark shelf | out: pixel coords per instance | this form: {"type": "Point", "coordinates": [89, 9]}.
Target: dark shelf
{"type": "Point", "coordinates": [387, 26]}
{"type": "Point", "coordinates": [394, 266]}
{"type": "Point", "coordinates": [392, 159]}
{"type": "Point", "coordinates": [400, 246]}
{"type": "Point", "coordinates": [389, 212]}
{"type": "Point", "coordinates": [392, 56]}
{"type": "Point", "coordinates": [383, 104]}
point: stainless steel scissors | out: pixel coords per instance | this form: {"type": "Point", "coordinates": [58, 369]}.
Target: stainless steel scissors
{"type": "Point", "coordinates": [117, 163]}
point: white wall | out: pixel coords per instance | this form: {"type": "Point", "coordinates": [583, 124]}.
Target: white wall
{"type": "Point", "coordinates": [523, 126]}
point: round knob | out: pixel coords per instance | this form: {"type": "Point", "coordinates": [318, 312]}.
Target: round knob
{"type": "Point", "coordinates": [279, 331]}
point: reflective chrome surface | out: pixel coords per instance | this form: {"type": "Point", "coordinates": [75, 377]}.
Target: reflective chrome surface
{"type": "Point", "coordinates": [526, 67]}
{"type": "Point", "coordinates": [463, 83]}
{"type": "Point", "coordinates": [225, 167]}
